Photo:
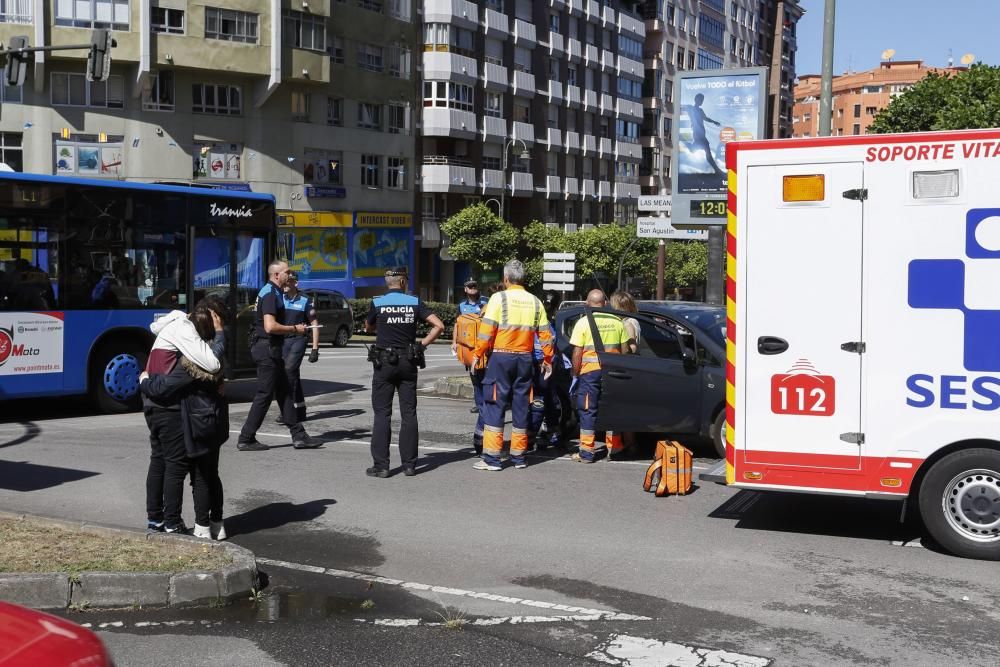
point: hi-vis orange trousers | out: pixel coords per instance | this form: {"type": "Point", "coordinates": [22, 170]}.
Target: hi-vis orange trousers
{"type": "Point", "coordinates": [507, 385]}
{"type": "Point", "coordinates": [588, 393]}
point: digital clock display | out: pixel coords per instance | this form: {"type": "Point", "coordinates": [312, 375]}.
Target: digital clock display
{"type": "Point", "coordinates": [708, 208]}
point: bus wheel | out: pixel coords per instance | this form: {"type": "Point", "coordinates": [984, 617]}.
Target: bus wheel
{"type": "Point", "coordinates": [960, 503]}
{"type": "Point", "coordinates": [114, 382]}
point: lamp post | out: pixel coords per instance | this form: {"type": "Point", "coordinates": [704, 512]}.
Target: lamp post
{"type": "Point", "coordinates": [525, 155]}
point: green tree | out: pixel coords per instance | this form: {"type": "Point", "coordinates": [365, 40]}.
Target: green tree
{"type": "Point", "coordinates": [686, 264]}
{"type": "Point", "coordinates": [537, 239]}
{"type": "Point", "coordinates": [968, 100]}
{"type": "Point", "coordinates": [480, 237]}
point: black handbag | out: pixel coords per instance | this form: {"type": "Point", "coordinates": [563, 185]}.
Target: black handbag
{"type": "Point", "coordinates": [206, 424]}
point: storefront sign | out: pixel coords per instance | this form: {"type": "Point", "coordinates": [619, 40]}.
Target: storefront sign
{"type": "Point", "coordinates": [325, 192]}
{"type": "Point", "coordinates": [384, 220]}
{"type": "Point", "coordinates": [315, 218]}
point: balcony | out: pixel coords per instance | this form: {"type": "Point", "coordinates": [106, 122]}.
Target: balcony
{"type": "Point", "coordinates": [649, 180]}
{"type": "Point", "coordinates": [604, 190]}
{"type": "Point", "coordinates": [627, 191]}
{"type": "Point", "coordinates": [587, 188]}
{"type": "Point", "coordinates": [628, 24]}
{"type": "Point", "coordinates": [573, 96]}
{"type": "Point", "coordinates": [524, 34]}
{"type": "Point", "coordinates": [575, 7]}
{"type": "Point", "coordinates": [604, 147]}
{"type": "Point", "coordinates": [572, 142]}
{"type": "Point", "coordinates": [442, 173]}
{"type": "Point", "coordinates": [590, 100]}
{"type": "Point", "coordinates": [651, 103]}
{"type": "Point", "coordinates": [608, 17]}
{"type": "Point", "coordinates": [495, 77]}
{"type": "Point", "coordinates": [607, 61]}
{"type": "Point", "coordinates": [626, 150]}
{"type": "Point", "coordinates": [492, 182]}
{"type": "Point", "coordinates": [441, 65]}
{"type": "Point", "coordinates": [591, 55]}
{"type": "Point", "coordinates": [552, 189]}
{"type": "Point", "coordinates": [589, 144]}
{"type": "Point", "coordinates": [653, 61]}
{"type": "Point", "coordinates": [607, 105]}
{"type": "Point", "coordinates": [523, 84]}
{"type": "Point", "coordinates": [654, 26]}
{"type": "Point", "coordinates": [457, 12]}
{"type": "Point", "coordinates": [523, 131]}
{"type": "Point", "coordinates": [553, 138]}
{"type": "Point", "coordinates": [521, 184]}
{"type": "Point", "coordinates": [555, 44]}
{"type": "Point", "coordinates": [649, 139]}
{"type": "Point", "coordinates": [557, 4]}
{"type": "Point", "coordinates": [495, 24]}
{"type": "Point", "coordinates": [630, 67]}
{"type": "Point", "coordinates": [554, 92]}
{"type": "Point", "coordinates": [574, 50]}
{"type": "Point", "coordinates": [593, 10]}
{"type": "Point", "coordinates": [449, 123]}
{"type": "Point", "coordinates": [494, 129]}
{"type": "Point", "coordinates": [629, 108]}
{"type": "Point", "coordinates": [571, 188]}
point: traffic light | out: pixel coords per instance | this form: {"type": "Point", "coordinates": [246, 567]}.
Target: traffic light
{"type": "Point", "coordinates": [16, 67]}
{"type": "Point", "coordinates": [99, 60]}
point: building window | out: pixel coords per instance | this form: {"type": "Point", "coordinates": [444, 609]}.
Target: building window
{"type": "Point", "coordinates": [303, 31]}
{"type": "Point", "coordinates": [522, 112]}
{"type": "Point", "coordinates": [161, 92]}
{"type": "Point", "coordinates": [490, 162]}
{"type": "Point", "coordinates": [708, 60]}
{"type": "Point", "coordinates": [300, 107]}
{"type": "Point", "coordinates": [400, 9]}
{"type": "Point", "coordinates": [691, 60]}
{"type": "Point", "coordinates": [219, 161]}
{"type": "Point", "coordinates": [679, 60]}
{"type": "Point", "coordinates": [73, 90]}
{"type": "Point", "coordinates": [399, 62]}
{"type": "Point", "coordinates": [216, 99]}
{"type": "Point", "coordinates": [230, 25]}
{"type": "Point", "coordinates": [335, 48]}
{"type": "Point", "coordinates": [335, 111]}
{"type": "Point", "coordinates": [11, 153]}
{"type": "Point", "coordinates": [446, 37]}
{"type": "Point", "coordinates": [630, 48]}
{"type": "Point", "coordinates": [113, 14]}
{"type": "Point", "coordinates": [857, 111]}
{"type": "Point", "coordinates": [167, 20]}
{"type": "Point", "coordinates": [493, 104]}
{"type": "Point", "coordinates": [871, 111]}
{"type": "Point", "coordinates": [554, 23]}
{"type": "Point", "coordinates": [370, 58]}
{"type": "Point", "coordinates": [395, 173]}
{"type": "Point", "coordinates": [322, 167]}
{"type": "Point", "coordinates": [12, 94]}
{"type": "Point", "coordinates": [369, 116]}
{"type": "Point", "coordinates": [629, 90]}
{"type": "Point", "coordinates": [398, 118]}
{"type": "Point", "coordinates": [448, 94]}
{"type": "Point", "coordinates": [369, 170]}
{"type": "Point", "coordinates": [15, 11]}
{"type": "Point", "coordinates": [856, 129]}
{"type": "Point", "coordinates": [372, 6]}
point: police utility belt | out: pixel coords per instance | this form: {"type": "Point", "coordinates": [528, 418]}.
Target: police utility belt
{"type": "Point", "coordinates": [414, 353]}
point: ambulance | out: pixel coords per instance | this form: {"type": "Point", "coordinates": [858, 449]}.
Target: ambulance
{"type": "Point", "coordinates": [863, 324]}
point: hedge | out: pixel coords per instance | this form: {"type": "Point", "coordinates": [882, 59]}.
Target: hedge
{"type": "Point", "coordinates": [448, 312]}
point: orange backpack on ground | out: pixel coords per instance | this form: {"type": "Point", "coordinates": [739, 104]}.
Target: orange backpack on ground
{"type": "Point", "coordinates": [466, 334]}
{"type": "Point", "coordinates": [670, 472]}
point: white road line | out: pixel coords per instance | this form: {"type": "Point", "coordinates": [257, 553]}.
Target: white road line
{"type": "Point", "coordinates": [501, 620]}
{"type": "Point", "coordinates": [443, 590]}
{"type": "Point", "coordinates": [640, 652]}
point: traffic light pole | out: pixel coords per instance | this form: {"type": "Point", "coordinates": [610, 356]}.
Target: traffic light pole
{"type": "Point", "coordinates": [98, 62]}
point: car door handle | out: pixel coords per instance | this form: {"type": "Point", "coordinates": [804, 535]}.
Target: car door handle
{"type": "Point", "coordinates": [619, 375]}
{"type": "Point", "coordinates": [771, 345]}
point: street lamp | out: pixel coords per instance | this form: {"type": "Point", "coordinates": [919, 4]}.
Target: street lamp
{"type": "Point", "coordinates": [525, 155]}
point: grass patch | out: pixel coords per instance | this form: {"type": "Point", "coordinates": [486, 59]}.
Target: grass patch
{"type": "Point", "coordinates": [27, 546]}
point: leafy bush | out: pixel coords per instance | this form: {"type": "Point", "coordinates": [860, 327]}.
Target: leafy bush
{"type": "Point", "coordinates": [448, 312]}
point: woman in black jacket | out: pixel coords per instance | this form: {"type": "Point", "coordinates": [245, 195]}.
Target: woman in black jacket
{"type": "Point", "coordinates": [203, 414]}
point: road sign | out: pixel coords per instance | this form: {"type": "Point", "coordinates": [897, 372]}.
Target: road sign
{"type": "Point", "coordinates": [655, 203]}
{"type": "Point", "coordinates": [655, 227]}
{"type": "Point", "coordinates": [565, 267]}
{"type": "Point", "coordinates": [559, 287]}
{"type": "Point", "coordinates": [559, 255]}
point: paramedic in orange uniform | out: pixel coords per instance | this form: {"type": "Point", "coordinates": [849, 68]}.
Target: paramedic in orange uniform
{"type": "Point", "coordinates": [473, 304]}
{"type": "Point", "coordinates": [511, 321]}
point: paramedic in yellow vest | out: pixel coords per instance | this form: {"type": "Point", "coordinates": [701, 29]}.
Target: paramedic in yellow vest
{"type": "Point", "coordinates": [587, 367]}
{"type": "Point", "coordinates": [511, 321]}
{"type": "Point", "coordinates": [473, 304]}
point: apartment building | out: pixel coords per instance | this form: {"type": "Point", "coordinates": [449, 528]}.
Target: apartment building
{"type": "Point", "coordinates": [309, 100]}
{"type": "Point", "coordinates": [533, 107]}
{"type": "Point", "coordinates": [705, 35]}
{"type": "Point", "coordinates": [857, 96]}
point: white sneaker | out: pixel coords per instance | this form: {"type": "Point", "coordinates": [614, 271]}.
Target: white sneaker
{"type": "Point", "coordinates": [218, 529]}
{"type": "Point", "coordinates": [483, 465]}
{"type": "Point", "coordinates": [203, 532]}
{"type": "Point", "coordinates": [521, 465]}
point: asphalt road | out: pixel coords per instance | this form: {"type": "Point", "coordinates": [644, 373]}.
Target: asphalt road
{"type": "Point", "coordinates": [556, 564]}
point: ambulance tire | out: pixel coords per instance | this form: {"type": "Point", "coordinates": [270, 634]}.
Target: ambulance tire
{"type": "Point", "coordinates": [958, 489]}
{"type": "Point", "coordinates": [719, 434]}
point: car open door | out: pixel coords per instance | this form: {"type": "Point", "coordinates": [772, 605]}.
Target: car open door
{"type": "Point", "coordinates": [658, 389]}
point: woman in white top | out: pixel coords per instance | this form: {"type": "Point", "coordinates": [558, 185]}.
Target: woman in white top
{"type": "Point", "coordinates": [624, 302]}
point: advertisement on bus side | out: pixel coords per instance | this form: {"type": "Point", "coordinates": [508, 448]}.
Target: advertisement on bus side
{"type": "Point", "coordinates": [31, 343]}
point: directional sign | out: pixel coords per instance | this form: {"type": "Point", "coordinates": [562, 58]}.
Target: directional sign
{"type": "Point", "coordinates": [559, 287]}
{"type": "Point", "coordinates": [660, 228]}
{"type": "Point", "coordinates": [566, 267]}
{"type": "Point", "coordinates": [560, 268]}
{"type": "Point", "coordinates": [559, 255]}
{"type": "Point", "coordinates": [655, 203]}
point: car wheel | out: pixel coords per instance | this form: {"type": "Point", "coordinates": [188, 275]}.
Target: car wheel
{"type": "Point", "coordinates": [960, 503]}
{"type": "Point", "coordinates": [343, 335]}
{"type": "Point", "coordinates": [114, 378]}
{"type": "Point", "coordinates": [719, 433]}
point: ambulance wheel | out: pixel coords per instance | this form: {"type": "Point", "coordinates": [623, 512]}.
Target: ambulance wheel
{"type": "Point", "coordinates": [719, 434]}
{"type": "Point", "coordinates": [960, 503]}
{"type": "Point", "coordinates": [343, 335]}
{"type": "Point", "coordinates": [114, 376]}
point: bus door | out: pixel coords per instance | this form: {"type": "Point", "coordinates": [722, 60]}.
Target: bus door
{"type": "Point", "coordinates": [232, 265]}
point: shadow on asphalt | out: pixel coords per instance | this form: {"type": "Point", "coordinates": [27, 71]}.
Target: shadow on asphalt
{"type": "Point", "coordinates": [31, 431]}
{"type": "Point", "coordinates": [23, 476]}
{"type": "Point", "coordinates": [334, 414]}
{"type": "Point", "coordinates": [276, 515]}
{"type": "Point", "coordinates": [242, 391]}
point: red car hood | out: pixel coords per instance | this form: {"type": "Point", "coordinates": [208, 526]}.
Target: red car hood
{"type": "Point", "coordinates": [29, 637]}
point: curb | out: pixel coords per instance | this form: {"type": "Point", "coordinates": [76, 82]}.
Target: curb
{"type": "Point", "coordinates": [459, 386]}
{"type": "Point", "coordinates": [60, 590]}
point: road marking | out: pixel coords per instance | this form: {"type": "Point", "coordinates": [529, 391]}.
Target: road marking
{"type": "Point", "coordinates": [915, 542]}
{"type": "Point", "coordinates": [502, 620]}
{"type": "Point", "coordinates": [444, 590]}
{"type": "Point", "coordinates": [641, 652]}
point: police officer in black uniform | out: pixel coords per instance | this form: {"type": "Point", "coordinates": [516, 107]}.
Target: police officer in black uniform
{"type": "Point", "coordinates": [299, 309]}
{"type": "Point", "coordinates": [266, 344]}
{"type": "Point", "coordinates": [396, 356]}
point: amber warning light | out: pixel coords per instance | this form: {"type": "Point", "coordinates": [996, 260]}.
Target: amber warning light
{"type": "Point", "coordinates": [810, 187]}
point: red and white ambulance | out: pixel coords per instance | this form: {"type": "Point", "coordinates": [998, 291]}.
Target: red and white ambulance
{"type": "Point", "coordinates": [864, 324]}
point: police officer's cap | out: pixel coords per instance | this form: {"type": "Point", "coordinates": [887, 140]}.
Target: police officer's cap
{"type": "Point", "coordinates": [396, 272]}
{"type": "Point", "coordinates": [471, 282]}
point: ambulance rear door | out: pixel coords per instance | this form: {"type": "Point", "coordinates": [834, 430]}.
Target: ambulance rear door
{"type": "Point", "coordinates": [803, 302]}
